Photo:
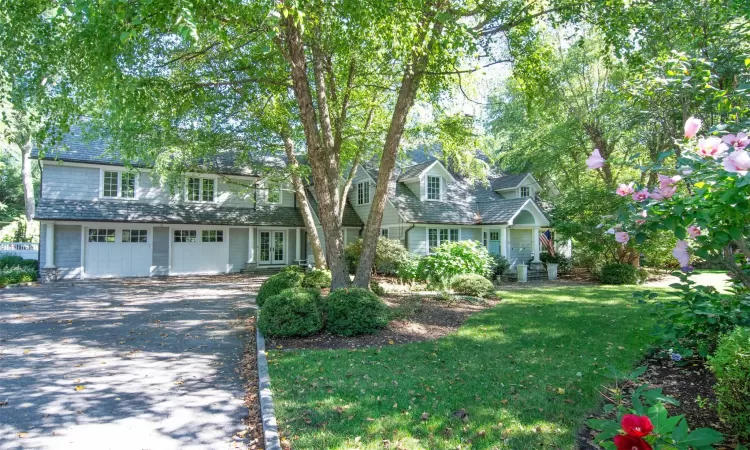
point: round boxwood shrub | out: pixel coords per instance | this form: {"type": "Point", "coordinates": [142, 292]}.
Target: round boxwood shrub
{"type": "Point", "coordinates": [731, 365]}
{"type": "Point", "coordinates": [355, 311]}
{"type": "Point", "coordinates": [618, 274]}
{"type": "Point", "coordinates": [294, 312]}
{"type": "Point", "coordinates": [474, 285]}
{"type": "Point", "coordinates": [277, 283]}
{"type": "Point", "coordinates": [317, 279]}
{"type": "Point", "coordinates": [389, 255]}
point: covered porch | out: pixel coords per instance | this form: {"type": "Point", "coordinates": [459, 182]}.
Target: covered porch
{"type": "Point", "coordinates": [518, 240]}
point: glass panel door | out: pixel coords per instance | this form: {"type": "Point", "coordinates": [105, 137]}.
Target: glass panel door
{"type": "Point", "coordinates": [278, 247]}
{"type": "Point", "coordinates": [265, 247]}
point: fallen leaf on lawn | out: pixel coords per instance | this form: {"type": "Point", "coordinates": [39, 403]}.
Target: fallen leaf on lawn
{"type": "Point", "coordinates": [22, 434]}
{"type": "Point", "coordinates": [26, 352]}
{"type": "Point", "coordinates": [425, 416]}
{"type": "Point", "coordinates": [80, 388]}
{"type": "Point", "coordinates": [561, 391]}
{"type": "Point", "coordinates": [390, 341]}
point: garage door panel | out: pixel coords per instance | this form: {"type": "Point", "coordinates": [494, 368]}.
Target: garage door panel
{"type": "Point", "coordinates": [205, 251]}
{"type": "Point", "coordinates": [107, 258]}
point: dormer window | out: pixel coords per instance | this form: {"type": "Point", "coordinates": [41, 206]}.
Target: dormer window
{"type": "Point", "coordinates": [363, 193]}
{"type": "Point", "coordinates": [433, 188]}
{"type": "Point", "coordinates": [118, 184]}
{"type": "Point", "coordinates": [273, 194]}
{"type": "Point", "coordinates": [525, 191]}
{"type": "Point", "coordinates": [201, 189]}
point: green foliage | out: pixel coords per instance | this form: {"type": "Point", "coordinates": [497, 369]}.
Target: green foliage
{"type": "Point", "coordinates": [293, 269]}
{"type": "Point", "coordinates": [355, 311]}
{"type": "Point", "coordinates": [452, 259]}
{"type": "Point", "coordinates": [293, 312]}
{"type": "Point", "coordinates": [731, 365]}
{"type": "Point", "coordinates": [618, 274]}
{"type": "Point", "coordinates": [317, 279]}
{"type": "Point", "coordinates": [17, 274]}
{"type": "Point", "coordinates": [377, 289]}
{"type": "Point", "coordinates": [276, 283]}
{"type": "Point", "coordinates": [9, 260]}
{"type": "Point", "coordinates": [693, 324]}
{"type": "Point", "coordinates": [474, 285]}
{"type": "Point", "coordinates": [390, 254]}
{"type": "Point", "coordinates": [500, 265]}
{"type": "Point", "coordinates": [408, 270]}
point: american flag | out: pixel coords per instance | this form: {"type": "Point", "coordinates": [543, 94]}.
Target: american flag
{"type": "Point", "coordinates": [546, 240]}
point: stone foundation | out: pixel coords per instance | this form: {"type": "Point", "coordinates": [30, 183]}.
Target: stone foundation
{"type": "Point", "coordinates": [48, 275]}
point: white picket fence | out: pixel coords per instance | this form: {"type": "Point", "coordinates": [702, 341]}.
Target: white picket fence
{"type": "Point", "coordinates": [26, 250]}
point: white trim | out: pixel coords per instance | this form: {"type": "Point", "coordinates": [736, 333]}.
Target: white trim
{"type": "Point", "coordinates": [116, 167]}
{"type": "Point", "coordinates": [536, 209]}
{"type": "Point", "coordinates": [267, 190]}
{"type": "Point", "coordinates": [368, 200]}
{"type": "Point", "coordinates": [536, 183]}
{"type": "Point", "coordinates": [425, 170]}
{"type": "Point", "coordinates": [386, 199]}
{"type": "Point", "coordinates": [119, 171]}
{"type": "Point", "coordinates": [83, 251]}
{"type": "Point", "coordinates": [214, 178]}
{"type": "Point", "coordinates": [427, 188]}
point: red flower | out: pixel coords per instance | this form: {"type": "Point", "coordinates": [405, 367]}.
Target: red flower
{"type": "Point", "coordinates": [627, 442]}
{"type": "Point", "coordinates": [637, 426]}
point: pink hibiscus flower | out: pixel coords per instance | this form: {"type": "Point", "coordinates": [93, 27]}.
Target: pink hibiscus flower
{"type": "Point", "coordinates": [595, 161]}
{"type": "Point", "coordinates": [712, 146]}
{"type": "Point", "coordinates": [737, 162]}
{"type": "Point", "coordinates": [624, 189]}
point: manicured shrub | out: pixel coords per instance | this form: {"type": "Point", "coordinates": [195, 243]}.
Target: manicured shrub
{"type": "Point", "coordinates": [500, 265]}
{"type": "Point", "coordinates": [731, 365]}
{"type": "Point", "coordinates": [452, 259]}
{"type": "Point", "coordinates": [7, 261]}
{"type": "Point", "coordinates": [295, 269]}
{"type": "Point", "coordinates": [294, 312]}
{"type": "Point", "coordinates": [377, 289]}
{"type": "Point", "coordinates": [355, 311]}
{"type": "Point", "coordinates": [317, 279]}
{"type": "Point", "coordinates": [473, 284]}
{"type": "Point", "coordinates": [18, 274]}
{"type": "Point", "coordinates": [389, 255]}
{"type": "Point", "coordinates": [276, 283]}
{"type": "Point", "coordinates": [618, 274]}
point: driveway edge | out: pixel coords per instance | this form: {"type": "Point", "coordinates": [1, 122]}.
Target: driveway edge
{"type": "Point", "coordinates": [268, 414]}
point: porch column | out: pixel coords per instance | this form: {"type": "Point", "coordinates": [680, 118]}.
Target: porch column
{"type": "Point", "coordinates": [298, 245]}
{"type": "Point", "coordinates": [49, 247]}
{"type": "Point", "coordinates": [504, 242]}
{"type": "Point", "coordinates": [535, 243]}
{"type": "Point", "coordinates": [251, 245]}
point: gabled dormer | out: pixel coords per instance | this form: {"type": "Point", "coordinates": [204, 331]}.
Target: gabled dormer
{"type": "Point", "coordinates": [428, 180]}
{"type": "Point", "coordinates": [522, 185]}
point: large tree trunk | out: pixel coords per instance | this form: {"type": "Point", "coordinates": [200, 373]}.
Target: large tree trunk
{"type": "Point", "coordinates": [26, 177]}
{"type": "Point", "coordinates": [324, 164]}
{"type": "Point", "coordinates": [409, 86]}
{"type": "Point", "coordinates": [307, 217]}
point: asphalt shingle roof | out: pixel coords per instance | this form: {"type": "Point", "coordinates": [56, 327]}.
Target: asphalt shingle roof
{"type": "Point", "coordinates": [508, 181]}
{"type": "Point", "coordinates": [415, 170]}
{"type": "Point", "coordinates": [199, 214]}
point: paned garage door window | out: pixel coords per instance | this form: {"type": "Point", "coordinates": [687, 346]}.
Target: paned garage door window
{"type": "Point", "coordinates": [101, 235]}
{"type": "Point", "coordinates": [134, 236]}
{"type": "Point", "coordinates": [185, 236]}
{"type": "Point", "coordinates": [212, 236]}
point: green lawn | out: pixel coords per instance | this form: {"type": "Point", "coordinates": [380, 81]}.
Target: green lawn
{"type": "Point", "coordinates": [526, 373]}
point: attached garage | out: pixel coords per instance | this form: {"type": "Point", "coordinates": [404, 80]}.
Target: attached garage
{"type": "Point", "coordinates": [199, 250]}
{"type": "Point", "coordinates": [112, 251]}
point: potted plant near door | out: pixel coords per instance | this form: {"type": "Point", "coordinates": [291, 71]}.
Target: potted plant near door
{"type": "Point", "coordinates": [552, 262]}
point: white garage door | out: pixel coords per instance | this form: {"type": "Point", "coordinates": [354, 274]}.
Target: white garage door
{"type": "Point", "coordinates": [199, 250]}
{"type": "Point", "coordinates": [118, 252]}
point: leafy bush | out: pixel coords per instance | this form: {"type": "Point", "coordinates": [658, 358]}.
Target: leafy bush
{"type": "Point", "coordinates": [452, 259]}
{"type": "Point", "coordinates": [564, 264]}
{"type": "Point", "coordinates": [355, 311]}
{"type": "Point", "coordinates": [8, 260]}
{"type": "Point", "coordinates": [294, 312]}
{"type": "Point", "coordinates": [389, 255]}
{"type": "Point", "coordinates": [618, 274]}
{"type": "Point", "coordinates": [294, 269]}
{"type": "Point", "coordinates": [376, 288]}
{"type": "Point", "coordinates": [276, 283]}
{"type": "Point", "coordinates": [473, 284]}
{"type": "Point", "coordinates": [408, 270]}
{"type": "Point", "coordinates": [17, 274]}
{"type": "Point", "coordinates": [731, 365]}
{"type": "Point", "coordinates": [500, 265]}
{"type": "Point", "coordinates": [317, 279]}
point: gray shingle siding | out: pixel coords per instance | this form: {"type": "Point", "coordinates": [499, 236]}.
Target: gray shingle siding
{"type": "Point", "coordinates": [238, 251]}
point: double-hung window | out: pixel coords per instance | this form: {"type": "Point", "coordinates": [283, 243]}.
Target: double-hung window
{"type": "Point", "coordinates": [437, 236]}
{"type": "Point", "coordinates": [363, 193]}
{"type": "Point", "coordinates": [118, 184]}
{"type": "Point", "coordinates": [384, 232]}
{"type": "Point", "coordinates": [200, 189]}
{"type": "Point", "coordinates": [433, 188]}
{"type": "Point", "coordinates": [525, 191]}
{"type": "Point", "coordinates": [273, 194]}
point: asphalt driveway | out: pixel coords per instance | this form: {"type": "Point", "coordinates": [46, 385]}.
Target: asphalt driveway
{"type": "Point", "coordinates": [123, 364]}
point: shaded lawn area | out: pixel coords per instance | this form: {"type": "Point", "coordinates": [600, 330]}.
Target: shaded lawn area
{"type": "Point", "coordinates": [526, 373]}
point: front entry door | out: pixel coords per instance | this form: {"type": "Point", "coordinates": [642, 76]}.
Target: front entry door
{"type": "Point", "coordinates": [494, 248]}
{"type": "Point", "coordinates": [271, 249]}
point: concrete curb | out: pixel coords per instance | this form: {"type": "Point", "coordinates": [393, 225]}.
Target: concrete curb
{"type": "Point", "coordinates": [268, 415]}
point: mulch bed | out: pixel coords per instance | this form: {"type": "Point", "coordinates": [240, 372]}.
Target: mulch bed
{"type": "Point", "coordinates": [691, 384]}
{"type": "Point", "coordinates": [423, 318]}
{"type": "Point", "coordinates": [249, 371]}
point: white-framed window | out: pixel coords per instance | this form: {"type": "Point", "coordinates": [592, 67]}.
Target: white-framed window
{"type": "Point", "coordinates": [273, 193]}
{"type": "Point", "coordinates": [525, 191]}
{"type": "Point", "coordinates": [384, 232]}
{"type": "Point", "coordinates": [363, 193]}
{"type": "Point", "coordinates": [116, 184]}
{"type": "Point", "coordinates": [134, 235]}
{"type": "Point", "coordinates": [185, 236]}
{"type": "Point", "coordinates": [200, 189]}
{"type": "Point", "coordinates": [484, 238]}
{"type": "Point", "coordinates": [437, 236]}
{"type": "Point", "coordinates": [494, 236]}
{"type": "Point", "coordinates": [212, 236]}
{"type": "Point", "coordinates": [433, 188]}
{"type": "Point", "coordinates": [101, 235]}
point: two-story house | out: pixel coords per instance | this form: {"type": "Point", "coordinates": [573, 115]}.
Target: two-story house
{"type": "Point", "coordinates": [101, 217]}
